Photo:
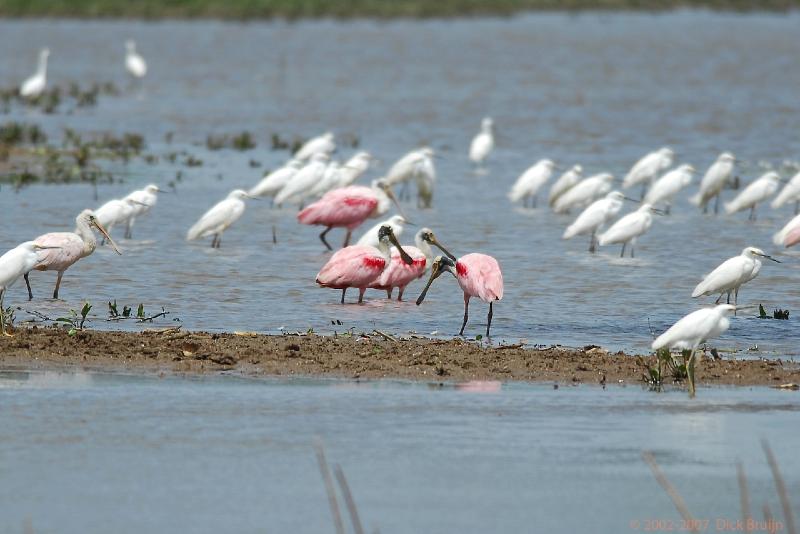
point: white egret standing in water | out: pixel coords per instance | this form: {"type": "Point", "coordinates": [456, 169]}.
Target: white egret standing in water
{"type": "Point", "coordinates": [564, 183]}
{"type": "Point", "coordinates": [144, 200]}
{"type": "Point", "coordinates": [219, 218]}
{"type": "Point", "coordinates": [324, 143]}
{"type": "Point", "coordinates": [647, 169]}
{"type": "Point", "coordinates": [528, 184]}
{"type": "Point", "coordinates": [595, 216]}
{"type": "Point", "coordinates": [789, 193]}
{"type": "Point", "coordinates": [584, 193]}
{"type": "Point", "coordinates": [714, 181]}
{"type": "Point", "coordinates": [732, 274]}
{"type": "Point", "coordinates": [134, 62]}
{"type": "Point", "coordinates": [629, 228]}
{"type": "Point", "coordinates": [758, 191]}
{"type": "Point", "coordinates": [665, 188]}
{"type": "Point", "coordinates": [36, 84]}
{"type": "Point", "coordinates": [272, 183]}
{"type": "Point", "coordinates": [483, 143]}
{"type": "Point", "coordinates": [299, 187]}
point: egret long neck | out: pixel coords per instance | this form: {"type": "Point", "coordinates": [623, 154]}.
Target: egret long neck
{"type": "Point", "coordinates": [87, 236]}
{"type": "Point", "coordinates": [42, 70]}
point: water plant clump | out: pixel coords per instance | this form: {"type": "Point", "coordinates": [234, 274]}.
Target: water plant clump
{"type": "Point", "coordinates": [241, 141]}
{"type": "Point", "coordinates": [58, 98]}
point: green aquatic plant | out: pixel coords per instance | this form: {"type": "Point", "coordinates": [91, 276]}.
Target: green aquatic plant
{"type": "Point", "coordinates": [76, 321]}
{"type": "Point", "coordinates": [667, 367]}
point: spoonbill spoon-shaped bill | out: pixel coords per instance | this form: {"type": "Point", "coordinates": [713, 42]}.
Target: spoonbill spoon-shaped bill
{"type": "Point", "coordinates": [14, 264]}
{"type": "Point", "coordinates": [370, 237]}
{"type": "Point", "coordinates": [595, 216]}
{"type": "Point", "coordinates": [36, 84]}
{"type": "Point", "coordinates": [483, 143]}
{"type": "Point", "coordinates": [134, 62]}
{"type": "Point", "coordinates": [299, 186]}
{"type": "Point", "coordinates": [219, 218]}
{"type": "Point", "coordinates": [665, 188]}
{"type": "Point", "coordinates": [348, 208]}
{"type": "Point", "coordinates": [564, 183]}
{"type": "Point", "coordinates": [646, 169]}
{"type": "Point", "coordinates": [478, 275]}
{"type": "Point", "coordinates": [398, 274]}
{"type": "Point", "coordinates": [528, 184]}
{"type": "Point", "coordinates": [272, 183]}
{"type": "Point", "coordinates": [60, 250]}
{"type": "Point", "coordinates": [714, 181]}
{"type": "Point", "coordinates": [143, 200]}
{"type": "Point", "coordinates": [323, 144]}
{"type": "Point", "coordinates": [584, 193]}
{"type": "Point", "coordinates": [359, 266]}
{"type": "Point", "coordinates": [789, 193]}
{"type": "Point", "coordinates": [732, 274]}
{"type": "Point", "coordinates": [354, 169]}
{"type": "Point", "coordinates": [629, 228]}
{"type": "Point", "coordinates": [792, 228]}
{"type": "Point", "coordinates": [755, 193]}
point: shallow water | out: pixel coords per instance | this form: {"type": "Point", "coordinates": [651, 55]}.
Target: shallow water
{"type": "Point", "coordinates": [595, 89]}
{"type": "Point", "coordinates": [98, 453]}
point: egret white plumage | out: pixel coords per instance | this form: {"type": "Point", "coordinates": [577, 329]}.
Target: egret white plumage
{"type": "Point", "coordinates": [629, 228]}
{"type": "Point", "coordinates": [714, 181]}
{"type": "Point", "coordinates": [483, 143]}
{"type": "Point", "coordinates": [329, 180]}
{"type": "Point", "coordinates": [15, 263]}
{"type": "Point", "coordinates": [299, 187]}
{"type": "Point", "coordinates": [272, 183]}
{"type": "Point", "coordinates": [36, 84]}
{"type": "Point", "coordinates": [670, 184]}
{"type": "Point", "coordinates": [143, 201]}
{"type": "Point", "coordinates": [426, 179]}
{"type": "Point", "coordinates": [595, 216]}
{"type": "Point", "coordinates": [789, 193]}
{"type": "Point", "coordinates": [354, 168]}
{"type": "Point", "coordinates": [324, 144]}
{"type": "Point", "coordinates": [395, 222]}
{"type": "Point", "coordinates": [114, 212]}
{"type": "Point", "coordinates": [219, 218]}
{"type": "Point", "coordinates": [758, 191]}
{"type": "Point", "coordinates": [731, 274]}
{"type": "Point", "coordinates": [584, 193]}
{"type": "Point", "coordinates": [134, 62]}
{"type": "Point", "coordinates": [792, 228]}
{"type": "Point", "coordinates": [408, 167]}
{"type": "Point", "coordinates": [564, 183]}
{"type": "Point", "coordinates": [528, 184]}
{"type": "Point", "coordinates": [647, 169]}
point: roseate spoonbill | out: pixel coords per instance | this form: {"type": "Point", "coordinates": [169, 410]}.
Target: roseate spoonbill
{"type": "Point", "coordinates": [528, 184]}
{"type": "Point", "coordinates": [299, 187]}
{"type": "Point", "coordinates": [324, 144]}
{"type": "Point", "coordinates": [584, 193]}
{"type": "Point", "coordinates": [714, 181]}
{"type": "Point", "coordinates": [398, 274]}
{"type": "Point", "coordinates": [483, 143]}
{"type": "Point", "coordinates": [144, 200]}
{"type": "Point", "coordinates": [15, 263]}
{"type": "Point", "coordinates": [629, 228]}
{"type": "Point", "coordinates": [36, 84]}
{"type": "Point", "coordinates": [370, 237]}
{"type": "Point", "coordinates": [478, 275]}
{"type": "Point", "coordinates": [134, 62]}
{"type": "Point", "coordinates": [409, 167]}
{"type": "Point", "coordinates": [329, 180]}
{"type": "Point", "coordinates": [66, 248]}
{"type": "Point", "coordinates": [564, 183]}
{"type": "Point", "coordinates": [732, 274]}
{"type": "Point", "coordinates": [665, 188]}
{"type": "Point", "coordinates": [789, 193]}
{"type": "Point", "coordinates": [595, 216]}
{"type": "Point", "coordinates": [348, 207]}
{"type": "Point", "coordinates": [216, 220]}
{"type": "Point", "coordinates": [758, 191]}
{"type": "Point", "coordinates": [272, 183]}
{"type": "Point", "coordinates": [789, 234]}
{"type": "Point", "coordinates": [354, 168]}
{"type": "Point", "coordinates": [646, 169]}
{"type": "Point", "coordinates": [359, 266]}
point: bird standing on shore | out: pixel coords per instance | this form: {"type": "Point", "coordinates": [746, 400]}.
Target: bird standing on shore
{"type": "Point", "coordinates": [732, 274]}
{"type": "Point", "coordinates": [36, 84]}
{"type": "Point", "coordinates": [219, 218]}
{"type": "Point", "coordinates": [483, 143]}
{"type": "Point", "coordinates": [134, 62]}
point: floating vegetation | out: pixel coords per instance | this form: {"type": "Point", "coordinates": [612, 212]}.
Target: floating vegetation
{"type": "Point", "coordinates": [19, 133]}
{"type": "Point", "coordinates": [127, 313]}
{"type": "Point", "coordinates": [279, 143]}
{"type": "Point", "coordinates": [243, 141]}
{"type": "Point", "coordinates": [52, 100]}
{"type": "Point", "coordinates": [778, 313]}
{"type": "Point", "coordinates": [192, 161]}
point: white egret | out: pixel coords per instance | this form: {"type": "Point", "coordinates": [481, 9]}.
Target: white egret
{"type": "Point", "coordinates": [407, 167]}
{"type": "Point", "coordinates": [134, 62]}
{"type": "Point", "coordinates": [584, 193]}
{"type": "Point", "coordinates": [791, 230]}
{"type": "Point", "coordinates": [426, 179]}
{"type": "Point", "coordinates": [370, 237]}
{"type": "Point", "coordinates": [483, 143]}
{"type": "Point", "coordinates": [114, 212]}
{"type": "Point", "coordinates": [143, 201]}
{"type": "Point", "coordinates": [789, 193]}
{"type": "Point", "coordinates": [714, 181]}
{"type": "Point", "coordinates": [758, 191]}
{"type": "Point", "coordinates": [354, 168]}
{"type": "Point", "coordinates": [324, 144]}
{"type": "Point", "coordinates": [329, 180]}
{"type": "Point", "coordinates": [564, 183]}
{"type": "Point", "coordinates": [665, 188]}
{"type": "Point", "coordinates": [732, 274]}
{"type": "Point", "coordinates": [36, 84]}
{"type": "Point", "coordinates": [646, 169]}
{"type": "Point", "coordinates": [216, 220]}
{"type": "Point", "coordinates": [629, 228]}
{"type": "Point", "coordinates": [595, 216]}
{"type": "Point", "coordinates": [528, 184]}
{"type": "Point", "coordinates": [299, 187]}
{"type": "Point", "coordinates": [15, 263]}
{"type": "Point", "coordinates": [272, 183]}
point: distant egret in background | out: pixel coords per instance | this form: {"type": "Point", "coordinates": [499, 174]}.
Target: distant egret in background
{"type": "Point", "coordinates": [329, 180]}
{"type": "Point", "coordinates": [584, 193]}
{"type": "Point", "coordinates": [143, 201]}
{"type": "Point", "coordinates": [324, 144]}
{"type": "Point", "coordinates": [732, 274]}
{"type": "Point", "coordinates": [354, 168]}
{"type": "Point", "coordinates": [66, 248]}
{"type": "Point", "coordinates": [36, 84]}
{"type": "Point", "coordinates": [483, 143]}
{"type": "Point", "coordinates": [564, 183]}
{"type": "Point", "coordinates": [789, 193]}
{"type": "Point", "coordinates": [789, 235]}
{"type": "Point", "coordinates": [758, 191]}
{"type": "Point", "coordinates": [665, 188]}
{"type": "Point", "coordinates": [629, 228]}
{"type": "Point", "coordinates": [595, 216]}
{"type": "Point", "coordinates": [114, 212]}
{"type": "Point", "coordinates": [370, 237]}
{"type": "Point", "coordinates": [408, 168]}
{"type": "Point", "coordinates": [299, 186]}
{"type": "Point", "coordinates": [648, 168]}
{"type": "Point", "coordinates": [272, 183]}
{"type": "Point", "coordinates": [527, 186]}
{"type": "Point", "coordinates": [426, 179]}
{"type": "Point", "coordinates": [15, 263]}
{"type": "Point", "coordinates": [219, 218]}
{"type": "Point", "coordinates": [134, 62]}
{"type": "Point", "coordinates": [714, 181]}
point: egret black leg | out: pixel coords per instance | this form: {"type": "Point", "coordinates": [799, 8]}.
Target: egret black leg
{"type": "Point", "coordinates": [322, 237]}
{"type": "Point", "coordinates": [466, 315]}
{"type": "Point", "coordinates": [729, 297]}
{"type": "Point", "coordinates": [219, 240]}
{"type": "Point", "coordinates": [716, 205]}
{"type": "Point", "coordinates": [644, 190]}
{"type": "Point", "coordinates": [591, 243]}
{"type": "Point", "coordinates": [719, 298]}
{"type": "Point", "coordinates": [632, 247]}
{"type": "Point", "coordinates": [752, 216]}
{"type": "Point", "coordinates": [214, 242]}
{"type": "Point", "coordinates": [28, 283]}
{"type": "Point", "coordinates": [489, 320]}
{"type": "Point", "coordinates": [622, 254]}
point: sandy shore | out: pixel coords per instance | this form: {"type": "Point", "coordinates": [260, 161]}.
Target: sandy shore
{"type": "Point", "coordinates": [373, 356]}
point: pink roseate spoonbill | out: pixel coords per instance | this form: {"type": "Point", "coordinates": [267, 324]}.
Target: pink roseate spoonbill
{"type": "Point", "coordinates": [647, 169]}
{"type": "Point", "coordinates": [15, 263]}
{"type": "Point", "coordinates": [323, 144]}
{"type": "Point", "coordinates": [216, 220]}
{"type": "Point", "coordinates": [359, 266]}
{"type": "Point", "coordinates": [789, 235]}
{"type": "Point", "coordinates": [398, 274]}
{"type": "Point", "coordinates": [714, 181]}
{"type": "Point", "coordinates": [348, 207]}
{"type": "Point", "coordinates": [66, 248]}
{"type": "Point", "coordinates": [478, 275]}
{"type": "Point", "coordinates": [483, 143]}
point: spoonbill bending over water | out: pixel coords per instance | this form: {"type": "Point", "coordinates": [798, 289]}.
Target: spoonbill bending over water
{"type": "Point", "coordinates": [647, 169]}
{"type": "Point", "coordinates": [322, 144]}
{"type": "Point", "coordinates": [36, 84]}
{"type": "Point", "coordinates": [584, 193]}
{"type": "Point", "coordinates": [144, 200]}
{"type": "Point", "coordinates": [348, 207]}
{"type": "Point", "coordinates": [732, 274]}
{"type": "Point", "coordinates": [483, 143]}
{"type": "Point", "coordinates": [758, 191]}
{"type": "Point", "coordinates": [216, 220]}
{"type": "Point", "coordinates": [527, 186]}
{"type": "Point", "coordinates": [564, 183]}
{"type": "Point", "coordinates": [15, 263]}
{"type": "Point", "coordinates": [370, 237]}
{"type": "Point", "coordinates": [789, 193]}
{"type": "Point", "coordinates": [595, 216]}
{"type": "Point", "coordinates": [359, 266]}
{"type": "Point", "coordinates": [714, 181]}
{"type": "Point", "coordinates": [478, 275]}
{"type": "Point", "coordinates": [134, 62]}
{"type": "Point", "coordinates": [66, 248]}
{"type": "Point", "coordinates": [665, 188]}
{"type": "Point", "coordinates": [299, 186]}
{"type": "Point", "coordinates": [629, 228]}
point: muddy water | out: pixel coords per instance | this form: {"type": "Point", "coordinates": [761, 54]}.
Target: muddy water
{"type": "Point", "coordinates": [595, 89]}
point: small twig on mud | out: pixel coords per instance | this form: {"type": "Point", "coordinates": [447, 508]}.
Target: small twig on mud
{"type": "Point", "coordinates": [348, 499]}
{"type": "Point", "coordinates": [677, 500]}
{"type": "Point", "coordinates": [514, 346]}
{"type": "Point", "coordinates": [329, 488]}
{"type": "Point", "coordinates": [780, 486]}
{"type": "Point", "coordinates": [387, 337]}
{"type": "Point", "coordinates": [35, 313]}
